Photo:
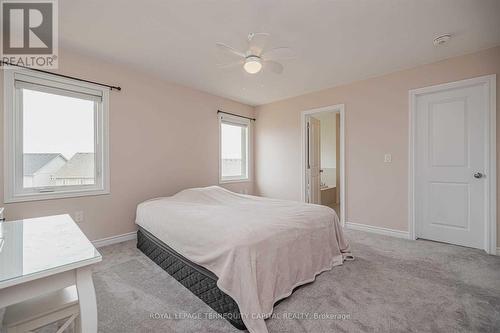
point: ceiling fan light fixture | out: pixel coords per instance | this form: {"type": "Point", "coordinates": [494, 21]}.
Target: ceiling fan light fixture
{"type": "Point", "coordinates": [252, 65]}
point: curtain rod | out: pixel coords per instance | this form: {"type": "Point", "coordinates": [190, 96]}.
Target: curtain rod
{"type": "Point", "coordinates": [237, 115]}
{"type": "Point", "coordinates": [61, 75]}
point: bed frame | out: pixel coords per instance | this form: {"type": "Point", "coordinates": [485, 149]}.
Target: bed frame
{"type": "Point", "coordinates": [200, 281]}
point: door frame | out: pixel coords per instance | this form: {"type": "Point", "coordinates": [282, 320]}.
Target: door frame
{"type": "Point", "coordinates": [340, 108]}
{"type": "Point", "coordinates": [490, 239]}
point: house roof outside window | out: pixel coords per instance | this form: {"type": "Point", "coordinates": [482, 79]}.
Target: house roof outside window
{"type": "Point", "coordinates": [33, 162]}
{"type": "Point", "coordinates": [81, 165]}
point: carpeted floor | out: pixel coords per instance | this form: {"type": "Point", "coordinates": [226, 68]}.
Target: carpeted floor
{"type": "Point", "coordinates": [393, 285]}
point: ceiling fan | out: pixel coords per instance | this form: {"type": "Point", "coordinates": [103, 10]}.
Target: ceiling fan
{"type": "Point", "coordinates": [256, 57]}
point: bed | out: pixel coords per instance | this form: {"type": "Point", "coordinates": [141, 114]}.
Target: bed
{"type": "Point", "coordinates": [240, 254]}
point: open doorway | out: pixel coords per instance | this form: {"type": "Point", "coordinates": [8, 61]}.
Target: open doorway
{"type": "Point", "coordinates": [323, 157]}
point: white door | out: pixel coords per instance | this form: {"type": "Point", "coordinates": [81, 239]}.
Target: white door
{"type": "Point", "coordinates": [313, 160]}
{"type": "Point", "coordinates": [450, 163]}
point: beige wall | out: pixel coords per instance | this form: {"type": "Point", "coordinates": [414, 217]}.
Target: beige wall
{"type": "Point", "coordinates": [327, 141]}
{"type": "Point", "coordinates": [163, 138]}
{"type": "Point", "coordinates": [328, 147]}
{"type": "Point", "coordinates": [376, 123]}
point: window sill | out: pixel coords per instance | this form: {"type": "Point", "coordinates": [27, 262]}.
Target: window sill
{"type": "Point", "coordinates": [229, 181]}
{"type": "Point", "coordinates": [54, 195]}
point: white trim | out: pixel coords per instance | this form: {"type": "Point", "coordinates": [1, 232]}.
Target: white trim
{"type": "Point", "coordinates": [249, 155]}
{"type": "Point", "coordinates": [55, 195]}
{"type": "Point", "coordinates": [378, 230]}
{"type": "Point", "coordinates": [490, 167]}
{"type": "Point", "coordinates": [235, 180]}
{"type": "Point", "coordinates": [115, 239]}
{"type": "Point", "coordinates": [340, 108]}
{"type": "Point", "coordinates": [12, 138]}
{"type": "Point", "coordinates": [498, 251]}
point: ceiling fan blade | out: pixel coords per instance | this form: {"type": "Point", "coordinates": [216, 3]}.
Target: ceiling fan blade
{"type": "Point", "coordinates": [229, 50]}
{"type": "Point", "coordinates": [230, 64]}
{"type": "Point", "coordinates": [274, 66]}
{"type": "Point", "coordinates": [256, 42]}
{"type": "Point", "coordinates": [279, 53]}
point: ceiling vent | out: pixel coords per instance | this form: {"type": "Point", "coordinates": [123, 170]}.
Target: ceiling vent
{"type": "Point", "coordinates": [441, 40]}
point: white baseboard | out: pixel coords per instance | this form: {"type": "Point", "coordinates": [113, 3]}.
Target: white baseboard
{"type": "Point", "coordinates": [115, 239]}
{"type": "Point", "coordinates": [378, 230]}
{"type": "Point", "coordinates": [498, 251]}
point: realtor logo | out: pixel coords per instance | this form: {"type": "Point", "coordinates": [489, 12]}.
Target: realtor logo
{"type": "Point", "coordinates": [29, 33]}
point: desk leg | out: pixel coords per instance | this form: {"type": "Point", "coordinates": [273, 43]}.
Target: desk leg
{"type": "Point", "coordinates": [86, 299]}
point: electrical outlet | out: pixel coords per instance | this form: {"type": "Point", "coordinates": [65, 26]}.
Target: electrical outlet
{"type": "Point", "coordinates": [79, 217]}
{"type": "Point", "coordinates": [387, 158]}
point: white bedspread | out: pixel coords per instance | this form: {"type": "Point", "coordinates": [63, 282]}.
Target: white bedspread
{"type": "Point", "coordinates": [259, 248]}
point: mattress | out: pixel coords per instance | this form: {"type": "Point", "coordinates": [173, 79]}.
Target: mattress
{"type": "Point", "coordinates": [197, 279]}
{"type": "Point", "coordinates": [259, 249]}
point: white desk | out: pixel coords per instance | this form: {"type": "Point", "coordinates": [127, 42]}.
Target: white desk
{"type": "Point", "coordinates": [45, 254]}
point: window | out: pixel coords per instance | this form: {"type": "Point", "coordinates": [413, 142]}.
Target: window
{"type": "Point", "coordinates": [56, 137]}
{"type": "Point", "coordinates": [234, 149]}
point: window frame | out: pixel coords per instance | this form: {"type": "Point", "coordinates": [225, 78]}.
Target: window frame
{"type": "Point", "coordinates": [242, 122]}
{"type": "Point", "coordinates": [14, 190]}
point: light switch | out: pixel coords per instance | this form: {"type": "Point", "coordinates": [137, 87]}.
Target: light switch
{"type": "Point", "coordinates": [387, 158]}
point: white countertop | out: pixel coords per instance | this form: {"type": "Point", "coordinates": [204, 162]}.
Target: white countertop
{"type": "Point", "coordinates": [33, 248]}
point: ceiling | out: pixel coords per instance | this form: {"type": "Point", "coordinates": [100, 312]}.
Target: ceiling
{"type": "Point", "coordinates": [337, 41]}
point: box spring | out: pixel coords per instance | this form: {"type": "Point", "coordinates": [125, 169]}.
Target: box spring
{"type": "Point", "coordinates": [195, 278]}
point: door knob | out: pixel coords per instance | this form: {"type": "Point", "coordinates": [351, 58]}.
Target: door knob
{"type": "Point", "coordinates": [478, 175]}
